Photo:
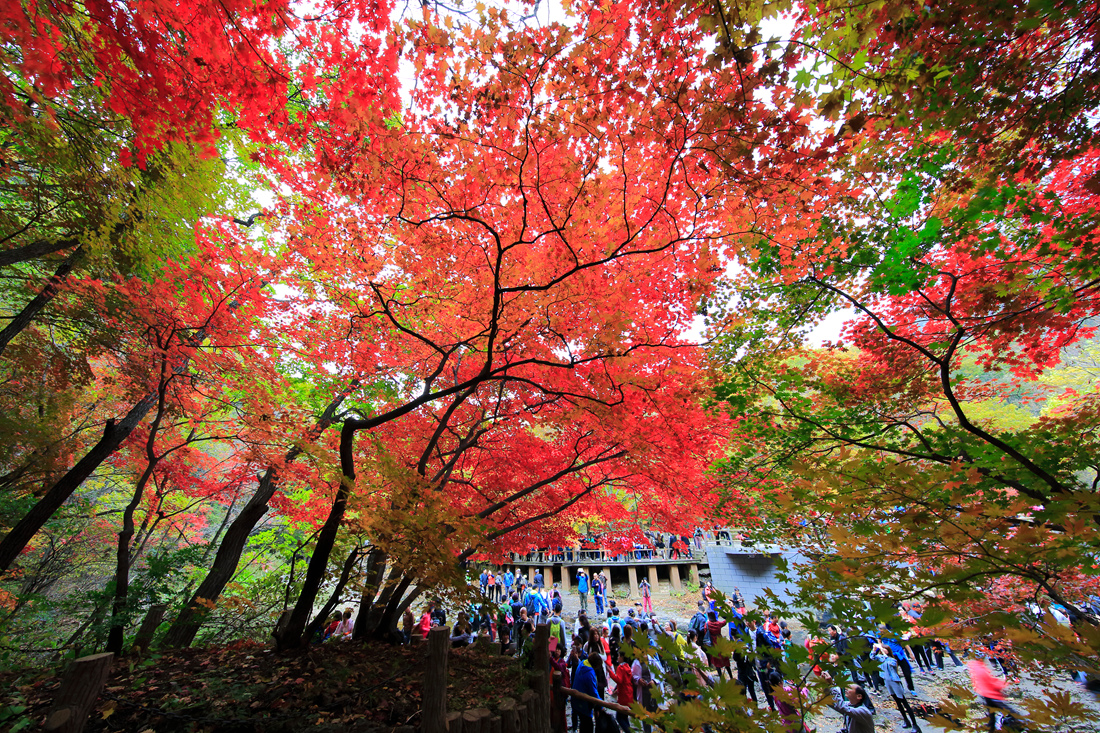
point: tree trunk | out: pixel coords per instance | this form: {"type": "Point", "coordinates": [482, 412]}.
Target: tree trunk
{"type": "Point", "coordinates": [122, 566]}
{"type": "Point", "coordinates": [122, 555]}
{"type": "Point", "coordinates": [24, 317]}
{"type": "Point", "coordinates": [375, 573]}
{"type": "Point", "coordinates": [334, 598]}
{"type": "Point", "coordinates": [293, 635]}
{"type": "Point", "coordinates": [34, 251]}
{"type": "Point", "coordinates": [113, 436]}
{"type": "Point", "coordinates": [186, 626]}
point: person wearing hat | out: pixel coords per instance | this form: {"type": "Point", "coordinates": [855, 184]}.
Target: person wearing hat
{"type": "Point", "coordinates": [582, 588]}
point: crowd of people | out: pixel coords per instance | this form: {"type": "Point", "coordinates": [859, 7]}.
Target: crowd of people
{"type": "Point", "coordinates": [596, 652]}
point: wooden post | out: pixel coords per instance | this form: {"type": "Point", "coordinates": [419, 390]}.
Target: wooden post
{"type": "Point", "coordinates": [674, 576]}
{"type": "Point", "coordinates": [492, 725]}
{"type": "Point", "coordinates": [473, 721]}
{"type": "Point", "coordinates": [530, 701]}
{"type": "Point", "coordinates": [148, 627]}
{"type": "Point", "coordinates": [693, 573]}
{"type": "Point", "coordinates": [632, 573]}
{"type": "Point", "coordinates": [454, 722]}
{"type": "Point", "coordinates": [81, 685]}
{"type": "Point", "coordinates": [653, 580]}
{"type": "Point", "coordinates": [564, 579]}
{"type": "Point", "coordinates": [522, 716]}
{"type": "Point", "coordinates": [542, 667]}
{"type": "Point", "coordinates": [433, 696]}
{"type": "Point", "coordinates": [509, 718]}
{"type": "Point", "coordinates": [557, 704]}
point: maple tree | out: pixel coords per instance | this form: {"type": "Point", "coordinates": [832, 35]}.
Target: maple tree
{"type": "Point", "coordinates": [924, 454]}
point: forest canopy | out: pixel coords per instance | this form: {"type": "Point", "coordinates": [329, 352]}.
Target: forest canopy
{"type": "Point", "coordinates": [308, 301]}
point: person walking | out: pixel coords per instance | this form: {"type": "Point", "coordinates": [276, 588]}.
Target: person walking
{"type": "Point", "coordinates": [991, 689]}
{"type": "Point", "coordinates": [582, 588]}
{"type": "Point", "coordinates": [598, 593]}
{"type": "Point", "coordinates": [892, 681]}
{"type": "Point", "coordinates": [537, 582]}
{"type": "Point", "coordinates": [647, 596]}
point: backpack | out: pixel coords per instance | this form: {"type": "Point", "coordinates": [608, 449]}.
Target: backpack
{"type": "Point", "coordinates": [699, 624]}
{"type": "Point", "coordinates": [555, 629]}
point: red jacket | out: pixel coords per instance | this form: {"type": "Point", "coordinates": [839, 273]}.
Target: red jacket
{"type": "Point", "coordinates": [624, 681]}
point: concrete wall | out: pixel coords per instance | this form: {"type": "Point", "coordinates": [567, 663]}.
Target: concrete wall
{"type": "Point", "coordinates": [750, 569]}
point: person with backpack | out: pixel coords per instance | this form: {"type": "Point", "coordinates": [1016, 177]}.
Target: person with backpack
{"type": "Point", "coordinates": [582, 588]}
{"type": "Point", "coordinates": [698, 624]}
{"type": "Point", "coordinates": [556, 604]}
{"type": "Point", "coordinates": [504, 626]}
{"type": "Point", "coordinates": [557, 629]}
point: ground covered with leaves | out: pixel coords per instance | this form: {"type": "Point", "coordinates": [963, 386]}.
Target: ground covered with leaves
{"type": "Point", "coordinates": [331, 687]}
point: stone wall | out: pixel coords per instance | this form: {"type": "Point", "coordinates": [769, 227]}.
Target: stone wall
{"type": "Point", "coordinates": [750, 569]}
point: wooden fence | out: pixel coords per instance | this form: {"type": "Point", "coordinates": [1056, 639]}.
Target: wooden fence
{"type": "Point", "coordinates": [540, 709]}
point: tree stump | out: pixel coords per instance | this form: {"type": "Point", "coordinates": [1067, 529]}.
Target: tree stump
{"type": "Point", "coordinates": [149, 626]}
{"type": "Point", "coordinates": [433, 696]}
{"type": "Point", "coordinates": [81, 685]}
{"type": "Point", "coordinates": [473, 721]}
{"type": "Point", "coordinates": [493, 724]}
{"type": "Point", "coordinates": [522, 716]}
{"type": "Point", "coordinates": [454, 722]}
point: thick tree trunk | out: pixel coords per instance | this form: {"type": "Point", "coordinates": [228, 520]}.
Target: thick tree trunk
{"type": "Point", "coordinates": [113, 436]}
{"type": "Point", "coordinates": [292, 635]}
{"type": "Point", "coordinates": [334, 598]}
{"type": "Point", "coordinates": [182, 632]}
{"type": "Point", "coordinates": [34, 251]}
{"type": "Point", "coordinates": [375, 573]}
{"type": "Point", "coordinates": [387, 622]}
{"type": "Point", "coordinates": [187, 624]}
{"type": "Point", "coordinates": [24, 317]}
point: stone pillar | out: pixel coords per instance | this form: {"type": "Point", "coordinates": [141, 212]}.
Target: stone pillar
{"type": "Point", "coordinates": [632, 572]}
{"type": "Point", "coordinates": [653, 579]}
{"type": "Point", "coordinates": [693, 573]}
{"type": "Point", "coordinates": [674, 576]}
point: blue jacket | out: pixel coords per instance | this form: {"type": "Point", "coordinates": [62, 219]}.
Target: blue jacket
{"type": "Point", "coordinates": [582, 583]}
{"type": "Point", "coordinates": [509, 579]}
{"type": "Point", "coordinates": [534, 603]}
{"type": "Point", "coordinates": [585, 681]}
